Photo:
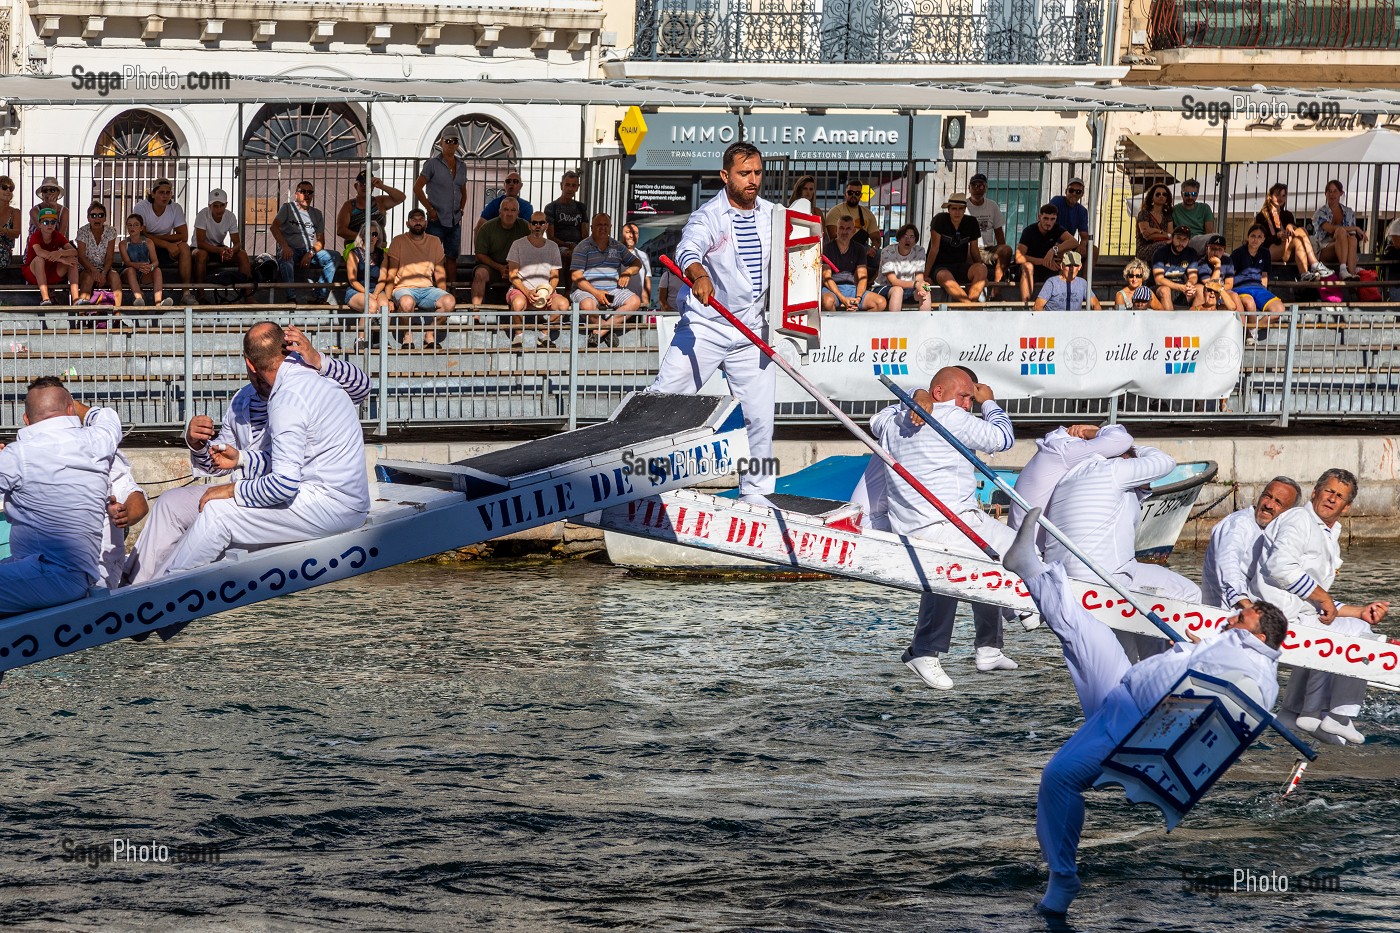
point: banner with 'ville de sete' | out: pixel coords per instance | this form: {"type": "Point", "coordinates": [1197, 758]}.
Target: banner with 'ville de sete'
{"type": "Point", "coordinates": [1020, 354]}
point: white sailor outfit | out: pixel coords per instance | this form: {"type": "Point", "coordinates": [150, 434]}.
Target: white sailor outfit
{"type": "Point", "coordinates": [121, 484]}
{"type": "Point", "coordinates": [1229, 560]}
{"type": "Point", "coordinates": [244, 428]}
{"type": "Point", "coordinates": [1055, 455]}
{"type": "Point", "coordinates": [309, 483]}
{"type": "Point", "coordinates": [950, 477]}
{"type": "Point", "coordinates": [734, 246]}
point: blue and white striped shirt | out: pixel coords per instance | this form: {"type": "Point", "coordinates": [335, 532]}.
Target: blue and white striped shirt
{"type": "Point", "coordinates": [1096, 506]}
{"type": "Point", "coordinates": [750, 249]}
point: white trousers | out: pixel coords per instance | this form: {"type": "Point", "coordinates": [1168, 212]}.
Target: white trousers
{"type": "Point", "coordinates": [224, 524]}
{"type": "Point", "coordinates": [701, 346]}
{"type": "Point", "coordinates": [934, 632]}
{"type": "Point", "coordinates": [172, 513]}
{"type": "Point", "coordinates": [29, 583]}
{"type": "Point", "coordinates": [1096, 664]}
{"type": "Point", "coordinates": [1316, 693]}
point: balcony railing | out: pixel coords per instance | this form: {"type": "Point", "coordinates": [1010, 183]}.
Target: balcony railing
{"type": "Point", "coordinates": [1274, 24]}
{"type": "Point", "coordinates": [920, 32]}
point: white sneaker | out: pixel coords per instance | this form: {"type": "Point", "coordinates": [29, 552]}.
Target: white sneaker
{"type": "Point", "coordinates": [1251, 338]}
{"type": "Point", "coordinates": [1030, 621]}
{"type": "Point", "coordinates": [1321, 270]}
{"type": "Point", "coordinates": [1308, 723]}
{"type": "Point", "coordinates": [930, 671]}
{"type": "Point", "coordinates": [1333, 725]}
{"type": "Point", "coordinates": [1343, 272]}
{"type": "Point", "coordinates": [991, 659]}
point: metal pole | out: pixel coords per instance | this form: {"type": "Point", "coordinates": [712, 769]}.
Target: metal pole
{"type": "Point", "coordinates": [1287, 401]}
{"type": "Point", "coordinates": [1113, 409]}
{"type": "Point", "coordinates": [1096, 130]}
{"type": "Point", "coordinates": [189, 363]}
{"type": "Point", "coordinates": [1222, 179]}
{"type": "Point", "coordinates": [573, 365]}
{"type": "Point", "coordinates": [382, 429]}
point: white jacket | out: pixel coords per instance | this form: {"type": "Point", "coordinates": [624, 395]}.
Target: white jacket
{"type": "Point", "coordinates": [708, 238]}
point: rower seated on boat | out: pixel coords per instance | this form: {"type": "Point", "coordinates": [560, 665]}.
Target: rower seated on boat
{"type": "Point", "coordinates": [311, 482]}
{"type": "Point", "coordinates": [54, 478]}
{"type": "Point", "coordinates": [244, 427]}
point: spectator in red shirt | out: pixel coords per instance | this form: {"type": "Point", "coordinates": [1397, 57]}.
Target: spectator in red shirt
{"type": "Point", "coordinates": [49, 257]}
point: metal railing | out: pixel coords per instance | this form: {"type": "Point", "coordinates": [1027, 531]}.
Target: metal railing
{"type": "Point", "coordinates": [1274, 24]}
{"type": "Point", "coordinates": [491, 369]}
{"type": "Point", "coordinates": [825, 32]}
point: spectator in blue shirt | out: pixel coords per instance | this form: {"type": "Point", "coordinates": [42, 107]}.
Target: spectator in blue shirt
{"type": "Point", "coordinates": [492, 210]}
{"type": "Point", "coordinates": [1252, 261]}
{"type": "Point", "coordinates": [1216, 267]}
{"type": "Point", "coordinates": [1074, 216]}
{"type": "Point", "coordinates": [1066, 291]}
{"type": "Point", "coordinates": [1174, 271]}
{"type": "Point", "coordinates": [600, 269]}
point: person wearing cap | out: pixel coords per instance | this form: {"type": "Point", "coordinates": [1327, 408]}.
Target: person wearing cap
{"type": "Point", "coordinates": [1038, 251]}
{"type": "Point", "coordinates": [49, 257]}
{"type": "Point", "coordinates": [168, 230]}
{"type": "Point", "coordinates": [1174, 271]}
{"type": "Point", "coordinates": [867, 228]}
{"type": "Point", "coordinates": [1074, 216]}
{"type": "Point", "coordinates": [996, 254]}
{"type": "Point", "coordinates": [218, 242]}
{"type": "Point", "coordinates": [350, 219]}
{"type": "Point", "coordinates": [1067, 291]}
{"type": "Point", "coordinates": [954, 256]}
{"type": "Point", "coordinates": [1194, 214]}
{"type": "Point", "coordinates": [492, 210]}
{"type": "Point", "coordinates": [1216, 272]}
{"type": "Point", "coordinates": [441, 191]}
{"type": "Point", "coordinates": [49, 193]}
{"type": "Point", "coordinates": [1145, 299]}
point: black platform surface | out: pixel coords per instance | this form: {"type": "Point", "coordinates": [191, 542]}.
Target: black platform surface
{"type": "Point", "coordinates": [804, 505]}
{"type": "Point", "coordinates": [643, 418]}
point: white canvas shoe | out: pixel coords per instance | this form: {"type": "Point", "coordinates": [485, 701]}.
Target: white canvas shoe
{"type": "Point", "coordinates": [1030, 621]}
{"type": "Point", "coordinates": [1343, 728]}
{"type": "Point", "coordinates": [930, 671]}
{"type": "Point", "coordinates": [991, 659]}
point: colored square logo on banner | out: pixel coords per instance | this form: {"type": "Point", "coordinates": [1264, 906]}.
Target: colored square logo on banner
{"type": "Point", "coordinates": [891, 369]}
{"type": "Point", "coordinates": [1037, 369]}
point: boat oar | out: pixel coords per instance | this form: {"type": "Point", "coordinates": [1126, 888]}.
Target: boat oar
{"type": "Point", "coordinates": [1016, 497]}
{"type": "Point", "coordinates": [840, 415]}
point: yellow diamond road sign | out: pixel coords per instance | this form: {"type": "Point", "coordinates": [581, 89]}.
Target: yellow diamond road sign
{"type": "Point", "coordinates": [633, 130]}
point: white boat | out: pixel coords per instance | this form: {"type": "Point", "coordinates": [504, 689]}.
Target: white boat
{"type": "Point", "coordinates": [653, 443]}
{"type": "Point", "coordinates": [1164, 514]}
{"type": "Point", "coordinates": [829, 537]}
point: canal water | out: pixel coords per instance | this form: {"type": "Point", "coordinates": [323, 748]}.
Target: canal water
{"type": "Point", "coordinates": [558, 746]}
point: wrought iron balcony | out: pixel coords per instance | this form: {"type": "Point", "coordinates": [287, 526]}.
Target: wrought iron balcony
{"type": "Point", "coordinates": [916, 32]}
{"type": "Point", "coordinates": [1274, 24]}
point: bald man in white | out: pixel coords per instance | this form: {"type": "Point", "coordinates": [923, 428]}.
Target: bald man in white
{"type": "Point", "coordinates": [54, 478]}
{"type": "Point", "coordinates": [311, 483]}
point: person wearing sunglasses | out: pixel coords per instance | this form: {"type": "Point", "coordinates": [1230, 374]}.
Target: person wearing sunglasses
{"type": "Point", "coordinates": [49, 258]}
{"type": "Point", "coordinates": [97, 253]}
{"type": "Point", "coordinates": [1135, 274]}
{"type": "Point", "coordinates": [9, 221]}
{"type": "Point", "coordinates": [1154, 222]}
{"type": "Point", "coordinates": [1074, 216]}
{"type": "Point", "coordinates": [49, 193]}
{"type": "Point", "coordinates": [1195, 215]}
{"type": "Point", "coordinates": [369, 286]}
{"type": "Point", "coordinates": [441, 191]}
{"type": "Point", "coordinates": [300, 232]}
{"type": "Point", "coordinates": [492, 210]}
{"type": "Point", "coordinates": [868, 235]}
{"type": "Point", "coordinates": [533, 267]}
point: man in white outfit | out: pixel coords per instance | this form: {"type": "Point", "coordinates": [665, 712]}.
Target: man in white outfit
{"type": "Point", "coordinates": [311, 483]}
{"type": "Point", "coordinates": [949, 476]}
{"type": "Point", "coordinates": [1056, 454]}
{"type": "Point", "coordinates": [1234, 543]}
{"type": "Point", "coordinates": [724, 251]}
{"type": "Point", "coordinates": [54, 478]}
{"type": "Point", "coordinates": [244, 427]}
{"type": "Point", "coordinates": [1117, 694]}
{"type": "Point", "coordinates": [1096, 505]}
{"type": "Point", "coordinates": [1298, 562]}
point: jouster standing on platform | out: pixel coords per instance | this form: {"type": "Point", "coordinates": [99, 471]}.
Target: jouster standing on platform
{"type": "Point", "coordinates": [1096, 505]}
{"type": "Point", "coordinates": [244, 427]}
{"type": "Point", "coordinates": [311, 483]}
{"type": "Point", "coordinates": [1234, 544]}
{"type": "Point", "coordinates": [1116, 694]}
{"type": "Point", "coordinates": [1298, 562]}
{"type": "Point", "coordinates": [949, 476]}
{"type": "Point", "coordinates": [54, 478]}
{"type": "Point", "coordinates": [724, 251]}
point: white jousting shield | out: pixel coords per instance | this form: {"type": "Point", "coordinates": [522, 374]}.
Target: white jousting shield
{"type": "Point", "coordinates": [795, 275]}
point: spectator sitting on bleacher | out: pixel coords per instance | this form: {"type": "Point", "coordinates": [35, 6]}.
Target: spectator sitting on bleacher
{"type": "Point", "coordinates": [1339, 239]}
{"type": "Point", "coordinates": [867, 233]}
{"type": "Point", "coordinates": [1074, 216]}
{"type": "Point", "coordinates": [1066, 291]}
{"type": "Point", "coordinates": [1287, 241]}
{"type": "Point", "coordinates": [418, 267]}
{"type": "Point", "coordinates": [167, 230]}
{"type": "Point", "coordinates": [300, 232]}
{"type": "Point", "coordinates": [139, 257]}
{"type": "Point", "coordinates": [9, 222]}
{"type": "Point", "coordinates": [1194, 214]}
{"type": "Point", "coordinates": [1038, 251]}
{"type": "Point", "coordinates": [1252, 262]}
{"type": "Point", "coordinates": [996, 254]}
{"type": "Point", "coordinates": [217, 242]}
{"type": "Point", "coordinates": [1144, 299]}
{"type": "Point", "coordinates": [49, 192]}
{"type": "Point", "coordinates": [568, 216]}
{"type": "Point", "coordinates": [954, 257]}
{"type": "Point", "coordinates": [97, 252]}
{"type": "Point", "coordinates": [492, 210]}
{"type": "Point", "coordinates": [600, 270]}
{"type": "Point", "coordinates": [533, 268]}
{"type": "Point", "coordinates": [1135, 273]}
{"type": "Point", "coordinates": [669, 299]}
{"type": "Point", "coordinates": [1217, 268]}
{"type": "Point", "coordinates": [901, 274]}
{"type": "Point", "coordinates": [369, 283]}
{"type": "Point", "coordinates": [350, 219]}
{"type": "Point", "coordinates": [641, 282]}
{"type": "Point", "coordinates": [1154, 222]}
{"type": "Point", "coordinates": [493, 242]}
{"type": "Point", "coordinates": [1390, 255]}
{"type": "Point", "coordinates": [805, 189]}
{"type": "Point", "coordinates": [49, 258]}
{"type": "Point", "coordinates": [845, 275]}
{"type": "Point", "coordinates": [1174, 272]}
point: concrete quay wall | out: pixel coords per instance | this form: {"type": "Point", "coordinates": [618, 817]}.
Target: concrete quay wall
{"type": "Point", "coordinates": [1246, 466]}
